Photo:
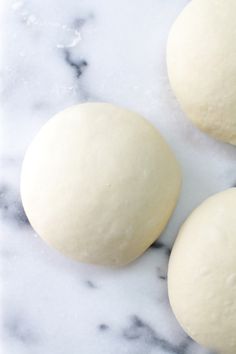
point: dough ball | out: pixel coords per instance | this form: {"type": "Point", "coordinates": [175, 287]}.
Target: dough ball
{"type": "Point", "coordinates": [201, 60]}
{"type": "Point", "coordinates": [99, 183]}
{"type": "Point", "coordinates": [202, 273]}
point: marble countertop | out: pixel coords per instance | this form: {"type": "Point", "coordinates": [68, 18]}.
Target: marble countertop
{"type": "Point", "coordinates": [56, 53]}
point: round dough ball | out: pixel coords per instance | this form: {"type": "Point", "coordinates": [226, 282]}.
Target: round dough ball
{"type": "Point", "coordinates": [201, 60]}
{"type": "Point", "coordinates": [202, 273]}
{"type": "Point", "coordinates": [99, 183]}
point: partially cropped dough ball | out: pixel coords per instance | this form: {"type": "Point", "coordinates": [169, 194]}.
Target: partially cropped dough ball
{"type": "Point", "coordinates": [202, 273]}
{"type": "Point", "coordinates": [201, 60]}
{"type": "Point", "coordinates": [99, 183]}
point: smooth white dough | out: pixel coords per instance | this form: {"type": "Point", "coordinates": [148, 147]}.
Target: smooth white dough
{"type": "Point", "coordinates": [202, 273]}
{"type": "Point", "coordinates": [99, 183]}
{"type": "Point", "coordinates": [201, 60]}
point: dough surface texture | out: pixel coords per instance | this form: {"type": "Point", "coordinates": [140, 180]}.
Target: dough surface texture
{"type": "Point", "coordinates": [99, 183]}
{"type": "Point", "coordinates": [202, 273]}
{"type": "Point", "coordinates": [201, 61]}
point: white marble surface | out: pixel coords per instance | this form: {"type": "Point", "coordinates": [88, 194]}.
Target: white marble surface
{"type": "Point", "coordinates": [56, 53]}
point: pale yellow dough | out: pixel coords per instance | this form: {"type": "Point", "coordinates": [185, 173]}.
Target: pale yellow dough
{"type": "Point", "coordinates": [201, 60]}
{"type": "Point", "coordinates": [202, 273]}
{"type": "Point", "coordinates": [99, 183]}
